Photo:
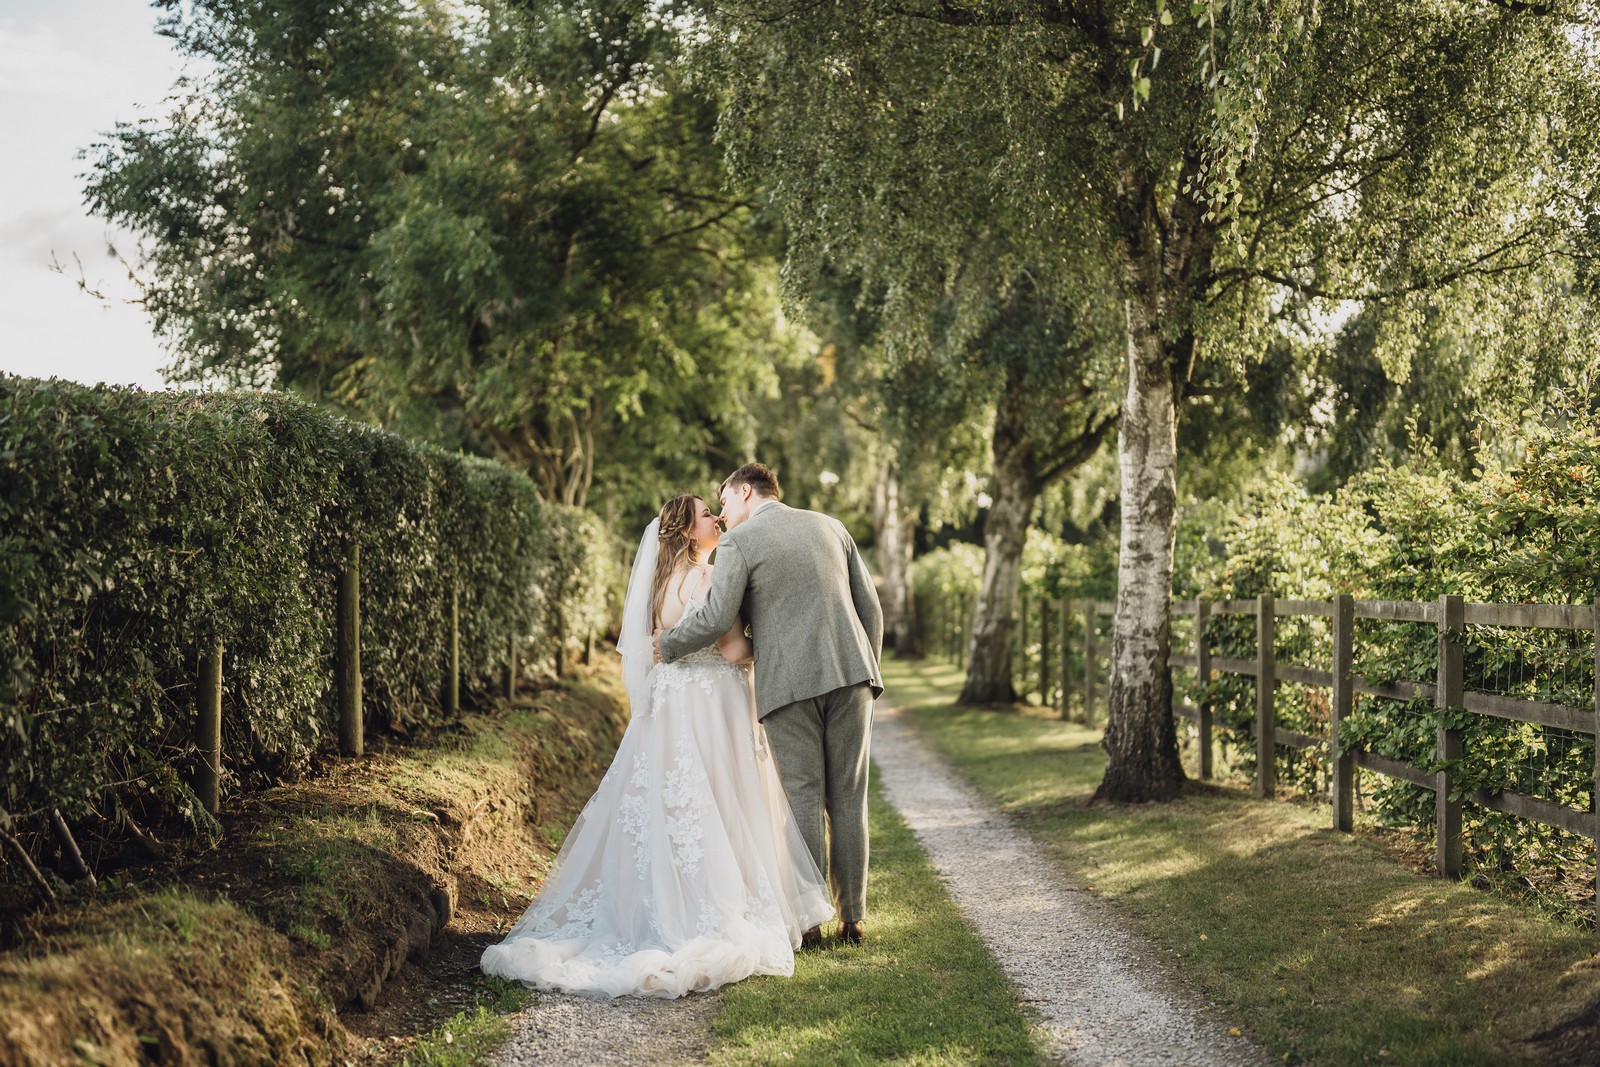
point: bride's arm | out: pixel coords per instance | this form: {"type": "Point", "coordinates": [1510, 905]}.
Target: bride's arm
{"type": "Point", "coordinates": [735, 646]}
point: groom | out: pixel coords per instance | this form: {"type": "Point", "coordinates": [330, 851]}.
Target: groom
{"type": "Point", "coordinates": [818, 633]}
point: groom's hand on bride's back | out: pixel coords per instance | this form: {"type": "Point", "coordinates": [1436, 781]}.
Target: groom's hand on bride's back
{"type": "Point", "coordinates": [655, 644]}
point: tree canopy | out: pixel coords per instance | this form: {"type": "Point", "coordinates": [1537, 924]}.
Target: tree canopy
{"type": "Point", "coordinates": [502, 227]}
{"type": "Point", "coordinates": [1216, 177]}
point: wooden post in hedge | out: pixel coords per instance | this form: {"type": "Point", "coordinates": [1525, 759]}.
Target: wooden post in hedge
{"type": "Point", "coordinates": [69, 848]}
{"type": "Point", "coordinates": [347, 653]}
{"type": "Point", "coordinates": [1202, 675]}
{"type": "Point", "coordinates": [1266, 686]}
{"type": "Point", "coordinates": [452, 671]}
{"type": "Point", "coordinates": [1344, 761]}
{"type": "Point", "coordinates": [511, 667]}
{"type": "Point", "coordinates": [209, 733]}
{"type": "Point", "coordinates": [1446, 808]}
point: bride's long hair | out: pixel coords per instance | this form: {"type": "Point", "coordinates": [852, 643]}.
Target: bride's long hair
{"type": "Point", "coordinates": [677, 548]}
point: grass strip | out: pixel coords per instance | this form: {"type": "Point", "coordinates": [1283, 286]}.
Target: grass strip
{"type": "Point", "coordinates": [923, 989]}
{"type": "Point", "coordinates": [244, 949]}
{"type": "Point", "coordinates": [1321, 945]}
{"type": "Point", "coordinates": [469, 1036]}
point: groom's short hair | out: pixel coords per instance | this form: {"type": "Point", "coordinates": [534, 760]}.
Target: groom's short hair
{"type": "Point", "coordinates": [758, 476]}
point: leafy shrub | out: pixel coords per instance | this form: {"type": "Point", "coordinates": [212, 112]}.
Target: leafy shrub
{"type": "Point", "coordinates": [139, 528]}
{"type": "Point", "coordinates": [1527, 530]}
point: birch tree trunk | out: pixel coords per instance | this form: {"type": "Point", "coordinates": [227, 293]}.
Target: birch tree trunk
{"type": "Point", "coordinates": [1004, 534]}
{"type": "Point", "coordinates": [1141, 742]}
{"type": "Point", "coordinates": [893, 544]}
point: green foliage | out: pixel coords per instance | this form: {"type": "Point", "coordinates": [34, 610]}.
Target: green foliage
{"type": "Point", "coordinates": [474, 1032]}
{"type": "Point", "coordinates": [953, 571]}
{"type": "Point", "coordinates": [1051, 567]}
{"type": "Point", "coordinates": [504, 227]}
{"type": "Point", "coordinates": [1241, 172]}
{"type": "Point", "coordinates": [139, 528]}
{"type": "Point", "coordinates": [1527, 530]}
{"type": "Point", "coordinates": [1260, 908]}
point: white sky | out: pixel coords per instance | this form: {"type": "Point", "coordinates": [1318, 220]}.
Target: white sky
{"type": "Point", "coordinates": [69, 70]}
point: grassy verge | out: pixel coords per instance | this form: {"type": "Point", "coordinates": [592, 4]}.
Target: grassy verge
{"type": "Point", "coordinates": [922, 990]}
{"type": "Point", "coordinates": [473, 1033]}
{"type": "Point", "coordinates": [318, 895]}
{"type": "Point", "coordinates": [1321, 945]}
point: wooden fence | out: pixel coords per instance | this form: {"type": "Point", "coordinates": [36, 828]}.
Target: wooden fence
{"type": "Point", "coordinates": [347, 681]}
{"type": "Point", "coordinates": [1060, 644]}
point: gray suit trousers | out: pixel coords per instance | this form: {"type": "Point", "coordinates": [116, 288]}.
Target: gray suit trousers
{"type": "Point", "coordinates": [820, 746]}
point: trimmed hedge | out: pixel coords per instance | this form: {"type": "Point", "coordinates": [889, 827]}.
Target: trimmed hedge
{"type": "Point", "coordinates": [136, 528]}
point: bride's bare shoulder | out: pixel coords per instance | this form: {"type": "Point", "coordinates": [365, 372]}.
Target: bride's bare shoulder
{"type": "Point", "coordinates": [703, 573]}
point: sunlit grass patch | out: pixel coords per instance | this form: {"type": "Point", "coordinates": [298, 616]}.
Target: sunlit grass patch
{"type": "Point", "coordinates": [472, 1033]}
{"type": "Point", "coordinates": [922, 990]}
{"type": "Point", "coordinates": [1320, 945]}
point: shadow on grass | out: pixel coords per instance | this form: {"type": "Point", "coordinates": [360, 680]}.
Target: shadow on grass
{"type": "Point", "coordinates": [1319, 943]}
{"type": "Point", "coordinates": [922, 990]}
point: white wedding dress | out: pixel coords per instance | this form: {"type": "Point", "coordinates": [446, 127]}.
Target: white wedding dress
{"type": "Point", "coordinates": [685, 870]}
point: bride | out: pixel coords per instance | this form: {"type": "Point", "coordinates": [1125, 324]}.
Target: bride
{"type": "Point", "coordinates": [685, 870]}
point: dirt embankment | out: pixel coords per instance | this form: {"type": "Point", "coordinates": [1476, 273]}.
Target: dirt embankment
{"type": "Point", "coordinates": [298, 937]}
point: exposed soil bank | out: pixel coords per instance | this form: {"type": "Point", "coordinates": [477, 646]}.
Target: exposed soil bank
{"type": "Point", "coordinates": [297, 938]}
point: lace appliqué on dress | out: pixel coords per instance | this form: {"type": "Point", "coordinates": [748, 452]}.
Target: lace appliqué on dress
{"type": "Point", "coordinates": [686, 870]}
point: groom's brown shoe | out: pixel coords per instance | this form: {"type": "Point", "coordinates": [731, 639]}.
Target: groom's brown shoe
{"type": "Point", "coordinates": [811, 938]}
{"type": "Point", "coordinates": [852, 932]}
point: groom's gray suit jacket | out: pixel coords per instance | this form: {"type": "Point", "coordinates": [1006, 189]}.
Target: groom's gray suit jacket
{"type": "Point", "coordinates": [814, 614]}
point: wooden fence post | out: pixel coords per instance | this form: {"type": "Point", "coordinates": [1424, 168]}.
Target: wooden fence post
{"type": "Point", "coordinates": [941, 627]}
{"type": "Point", "coordinates": [957, 625]}
{"type": "Point", "coordinates": [452, 675]}
{"type": "Point", "coordinates": [1595, 624]}
{"type": "Point", "coordinates": [1266, 686]}
{"type": "Point", "coordinates": [1020, 650]}
{"type": "Point", "coordinates": [927, 607]}
{"type": "Point", "coordinates": [69, 848]}
{"type": "Point", "coordinates": [347, 653]}
{"type": "Point", "coordinates": [209, 732]}
{"type": "Point", "coordinates": [955, 640]}
{"type": "Point", "coordinates": [511, 667]}
{"type": "Point", "coordinates": [1090, 654]}
{"type": "Point", "coordinates": [1202, 674]}
{"type": "Point", "coordinates": [1447, 809]}
{"type": "Point", "coordinates": [1021, 672]}
{"type": "Point", "coordinates": [1066, 651]}
{"type": "Point", "coordinates": [1343, 703]}
{"type": "Point", "coordinates": [1044, 651]}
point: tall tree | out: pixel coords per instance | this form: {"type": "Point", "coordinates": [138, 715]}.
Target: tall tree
{"type": "Point", "coordinates": [1214, 170]}
{"type": "Point", "coordinates": [858, 437]}
{"type": "Point", "coordinates": [1037, 435]}
{"type": "Point", "coordinates": [506, 227]}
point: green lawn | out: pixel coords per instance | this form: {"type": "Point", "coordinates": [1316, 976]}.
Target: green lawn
{"type": "Point", "coordinates": [922, 990]}
{"type": "Point", "coordinates": [1321, 945]}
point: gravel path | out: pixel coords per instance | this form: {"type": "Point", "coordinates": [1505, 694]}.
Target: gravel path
{"type": "Point", "coordinates": [1101, 998]}
{"type": "Point", "coordinates": [626, 1032]}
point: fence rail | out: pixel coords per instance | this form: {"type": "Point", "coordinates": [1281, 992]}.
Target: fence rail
{"type": "Point", "coordinates": [1070, 637]}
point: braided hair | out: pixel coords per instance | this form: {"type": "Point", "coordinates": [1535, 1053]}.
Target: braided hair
{"type": "Point", "coordinates": [677, 549]}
